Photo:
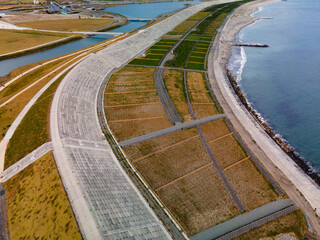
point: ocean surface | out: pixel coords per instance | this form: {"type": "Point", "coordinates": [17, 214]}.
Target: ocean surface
{"type": "Point", "coordinates": [282, 82]}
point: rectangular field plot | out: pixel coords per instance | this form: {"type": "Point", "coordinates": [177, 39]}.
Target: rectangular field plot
{"type": "Point", "coordinates": [172, 163]}
{"type": "Point", "coordinates": [131, 98]}
{"type": "Point", "coordinates": [154, 54]}
{"type": "Point", "coordinates": [198, 16]}
{"type": "Point", "coordinates": [172, 36]}
{"type": "Point", "coordinates": [215, 130]}
{"type": "Point", "coordinates": [132, 105]}
{"type": "Point", "coordinates": [173, 80]}
{"type": "Point", "coordinates": [199, 60]}
{"type": "Point", "coordinates": [199, 94]}
{"type": "Point", "coordinates": [199, 201]}
{"type": "Point", "coordinates": [158, 144]}
{"type": "Point", "coordinates": [227, 151]}
{"type": "Point", "coordinates": [195, 66]}
{"type": "Point", "coordinates": [202, 110]}
{"type": "Point", "coordinates": [193, 37]}
{"type": "Point", "coordinates": [197, 54]}
{"type": "Point", "coordinates": [140, 84]}
{"type": "Point", "coordinates": [134, 111]}
{"type": "Point", "coordinates": [206, 38]}
{"type": "Point", "coordinates": [250, 185]}
{"type": "Point", "coordinates": [181, 53]}
{"type": "Point", "coordinates": [128, 129]}
{"type": "Point", "coordinates": [183, 27]}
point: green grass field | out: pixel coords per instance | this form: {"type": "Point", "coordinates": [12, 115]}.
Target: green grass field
{"type": "Point", "coordinates": [181, 52]}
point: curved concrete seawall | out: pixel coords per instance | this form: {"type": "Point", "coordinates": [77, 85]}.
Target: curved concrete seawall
{"type": "Point", "coordinates": [106, 203]}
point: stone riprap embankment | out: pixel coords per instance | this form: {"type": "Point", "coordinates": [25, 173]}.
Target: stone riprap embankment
{"type": "Point", "coordinates": [106, 203]}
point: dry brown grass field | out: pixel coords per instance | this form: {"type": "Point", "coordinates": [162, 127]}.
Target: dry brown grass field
{"type": "Point", "coordinates": [200, 15]}
{"type": "Point", "coordinates": [174, 83]}
{"type": "Point", "coordinates": [165, 166]}
{"type": "Point", "coordinates": [293, 224]}
{"type": "Point", "coordinates": [132, 105]}
{"type": "Point", "coordinates": [67, 24]}
{"type": "Point", "coordinates": [11, 41]}
{"type": "Point", "coordinates": [157, 144]}
{"type": "Point", "coordinates": [134, 112]}
{"type": "Point", "coordinates": [227, 151]}
{"type": "Point", "coordinates": [199, 201]}
{"type": "Point", "coordinates": [168, 36]}
{"type": "Point", "coordinates": [38, 207]}
{"type": "Point", "coordinates": [129, 129]}
{"type": "Point", "coordinates": [215, 130]}
{"type": "Point", "coordinates": [200, 99]}
{"type": "Point", "coordinates": [183, 27]}
{"type": "Point", "coordinates": [250, 186]}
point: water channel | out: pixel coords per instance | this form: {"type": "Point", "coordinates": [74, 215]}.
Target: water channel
{"type": "Point", "coordinates": [145, 10]}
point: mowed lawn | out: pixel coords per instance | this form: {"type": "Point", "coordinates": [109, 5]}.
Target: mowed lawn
{"type": "Point", "coordinates": [37, 204]}
{"type": "Point", "coordinates": [68, 24]}
{"type": "Point", "coordinates": [11, 41]}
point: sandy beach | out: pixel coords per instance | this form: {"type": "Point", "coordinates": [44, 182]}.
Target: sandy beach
{"type": "Point", "coordinates": [299, 187]}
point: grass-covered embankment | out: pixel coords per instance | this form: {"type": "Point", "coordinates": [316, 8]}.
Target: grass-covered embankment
{"type": "Point", "coordinates": [37, 204]}
{"type": "Point", "coordinates": [68, 24]}
{"type": "Point", "coordinates": [33, 130]}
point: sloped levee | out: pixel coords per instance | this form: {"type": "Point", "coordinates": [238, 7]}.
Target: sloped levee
{"type": "Point", "coordinates": [106, 203]}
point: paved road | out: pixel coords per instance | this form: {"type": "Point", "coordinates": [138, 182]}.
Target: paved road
{"type": "Point", "coordinates": [258, 223]}
{"type": "Point", "coordinates": [220, 172]}
{"type": "Point", "coordinates": [101, 193]}
{"type": "Point", "coordinates": [290, 177]}
{"type": "Point", "coordinates": [243, 220]}
{"type": "Point", "coordinates": [169, 130]}
{"type": "Point", "coordinates": [164, 97]}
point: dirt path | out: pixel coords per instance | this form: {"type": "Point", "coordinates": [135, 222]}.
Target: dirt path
{"type": "Point", "coordinates": [271, 156]}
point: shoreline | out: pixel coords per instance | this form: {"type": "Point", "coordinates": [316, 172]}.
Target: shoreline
{"type": "Point", "coordinates": [234, 77]}
{"type": "Point", "coordinates": [298, 185]}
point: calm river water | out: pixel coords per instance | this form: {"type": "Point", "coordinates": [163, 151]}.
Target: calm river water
{"type": "Point", "coordinates": [282, 82]}
{"type": "Point", "coordinates": [145, 10]}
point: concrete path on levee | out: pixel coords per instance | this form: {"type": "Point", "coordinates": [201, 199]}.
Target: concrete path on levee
{"type": "Point", "coordinates": [25, 162]}
{"type": "Point", "coordinates": [5, 141]}
{"type": "Point", "coordinates": [176, 128]}
{"type": "Point", "coordinates": [244, 219]}
{"type": "Point", "coordinates": [104, 199]}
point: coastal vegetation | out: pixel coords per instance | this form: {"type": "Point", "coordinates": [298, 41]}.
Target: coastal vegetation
{"type": "Point", "coordinates": [38, 206]}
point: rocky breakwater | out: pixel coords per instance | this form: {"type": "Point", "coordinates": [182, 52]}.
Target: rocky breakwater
{"type": "Point", "coordinates": [304, 165]}
{"type": "Point", "coordinates": [240, 44]}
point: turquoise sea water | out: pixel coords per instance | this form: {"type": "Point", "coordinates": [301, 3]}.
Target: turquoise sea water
{"type": "Point", "coordinates": [282, 82]}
